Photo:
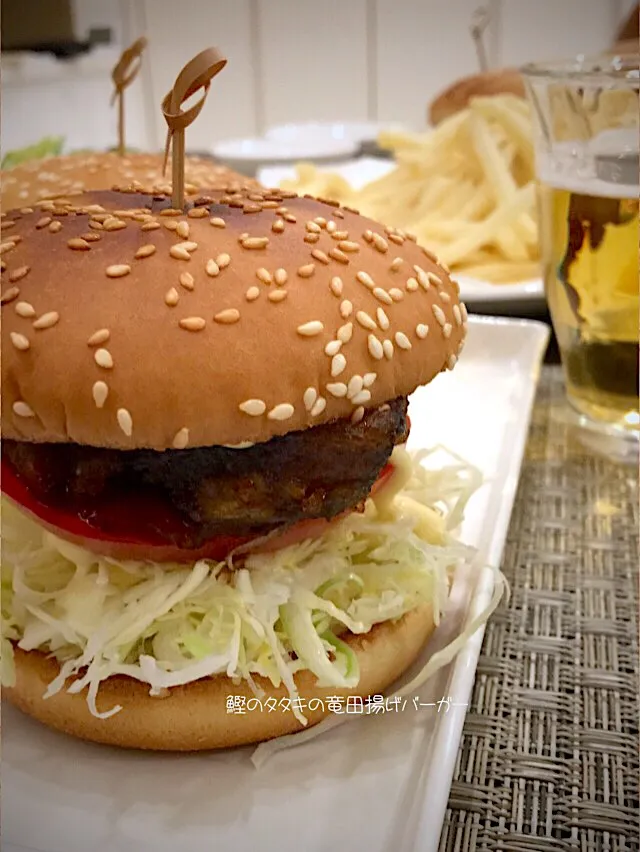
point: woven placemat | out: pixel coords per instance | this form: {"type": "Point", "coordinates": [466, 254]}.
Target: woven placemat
{"type": "Point", "coordinates": [549, 753]}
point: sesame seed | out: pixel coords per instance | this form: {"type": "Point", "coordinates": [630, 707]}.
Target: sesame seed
{"type": "Point", "coordinates": [311, 238]}
{"type": "Point", "coordinates": [78, 244]}
{"type": "Point", "coordinates": [313, 227]}
{"type": "Point", "coordinates": [456, 286]}
{"type": "Point", "coordinates": [309, 397]}
{"type": "Point", "coordinates": [444, 266]}
{"type": "Point", "coordinates": [320, 220]}
{"type": "Point", "coordinates": [338, 255]}
{"type": "Point", "coordinates": [363, 319]}
{"type": "Point", "coordinates": [11, 294]}
{"type": "Point", "coordinates": [375, 347]}
{"type": "Point", "coordinates": [439, 315]}
{"type": "Point", "coordinates": [363, 396]}
{"type": "Point", "coordinates": [281, 412]}
{"type": "Point", "coordinates": [186, 280]}
{"type": "Point", "coordinates": [255, 242]}
{"type": "Point", "coordinates": [319, 406]}
{"type": "Point", "coordinates": [103, 359]}
{"type": "Point", "coordinates": [7, 246]}
{"type": "Point", "coordinates": [320, 255]}
{"type": "Point", "coordinates": [26, 309]}
{"type": "Point", "coordinates": [457, 315]}
{"type": "Point", "coordinates": [125, 421]}
{"type": "Point", "coordinates": [402, 340]}
{"type": "Point", "coordinates": [171, 297]}
{"type": "Point", "coordinates": [182, 230]}
{"type": "Point", "coordinates": [47, 320]}
{"type": "Point", "coordinates": [307, 270]}
{"type": "Point", "coordinates": [396, 238]}
{"type": "Point", "coordinates": [367, 235]}
{"type": "Point", "coordinates": [18, 274]}
{"type": "Point", "coordinates": [338, 214]}
{"type": "Point", "coordinates": [179, 253]}
{"type": "Point", "coordinates": [119, 270]}
{"type": "Point", "coordinates": [433, 278]}
{"type": "Point", "coordinates": [423, 278]}
{"type": "Point", "coordinates": [150, 226]}
{"type": "Point", "coordinates": [336, 286]}
{"type": "Point", "coordinates": [252, 208]}
{"type": "Point", "coordinates": [98, 337]}
{"type": "Point", "coordinates": [412, 285]}
{"type": "Point", "coordinates": [369, 378]}
{"type": "Point", "coordinates": [382, 296]}
{"type": "Point", "coordinates": [356, 383]}
{"type": "Point", "coordinates": [90, 237]}
{"type": "Point", "coordinates": [113, 224]}
{"type": "Point", "coordinates": [55, 226]}
{"type": "Point", "coordinates": [171, 211]}
{"type": "Point", "coordinates": [366, 279]}
{"type": "Point", "coordinates": [264, 275]}
{"type": "Point", "coordinates": [383, 319]}
{"type": "Point", "coordinates": [41, 223]}
{"type": "Point", "coordinates": [100, 392]}
{"type": "Point", "coordinates": [288, 217]}
{"type": "Point", "coordinates": [310, 329]}
{"type": "Point", "coordinates": [396, 263]}
{"type": "Point", "coordinates": [277, 295]}
{"type": "Point", "coordinates": [252, 294]}
{"type": "Point", "coordinates": [223, 260]}
{"type": "Point", "coordinates": [269, 205]}
{"type": "Point", "coordinates": [337, 389]}
{"type": "Point", "coordinates": [447, 328]}
{"type": "Point", "coordinates": [346, 309]}
{"type": "Point", "coordinates": [338, 364]}
{"type": "Point", "coordinates": [333, 347]}
{"type": "Point", "coordinates": [463, 311]}
{"type": "Point", "coordinates": [171, 225]}
{"type": "Point", "coordinates": [211, 268]}
{"type": "Point", "coordinates": [192, 323]}
{"type": "Point", "coordinates": [380, 243]}
{"type": "Point", "coordinates": [339, 235]}
{"type": "Point", "coordinates": [282, 210]}
{"type": "Point", "coordinates": [197, 212]}
{"type": "Point", "coordinates": [145, 251]}
{"type": "Point", "coordinates": [23, 210]}
{"type": "Point", "coordinates": [331, 226]}
{"type": "Point", "coordinates": [280, 277]}
{"type": "Point", "coordinates": [181, 438]}
{"type": "Point", "coordinates": [348, 245]}
{"type": "Point", "coordinates": [217, 222]}
{"type": "Point", "coordinates": [22, 409]}
{"type": "Point", "coordinates": [228, 316]}
{"type": "Point", "coordinates": [422, 330]}
{"type": "Point", "coordinates": [387, 348]}
{"type": "Point", "coordinates": [452, 360]}
{"type": "Point", "coordinates": [254, 407]}
{"type": "Point", "coordinates": [278, 226]}
{"type": "Point", "coordinates": [444, 296]}
{"type": "Point", "coordinates": [357, 415]}
{"type": "Point", "coordinates": [20, 341]}
{"type": "Point", "coordinates": [345, 332]}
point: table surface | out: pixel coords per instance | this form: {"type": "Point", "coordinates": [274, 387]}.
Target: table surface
{"type": "Point", "coordinates": [549, 753]}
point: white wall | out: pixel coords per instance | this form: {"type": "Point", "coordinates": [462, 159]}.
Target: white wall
{"type": "Point", "coordinates": [288, 60]}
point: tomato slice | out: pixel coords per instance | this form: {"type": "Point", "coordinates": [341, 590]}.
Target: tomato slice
{"type": "Point", "coordinates": [144, 528]}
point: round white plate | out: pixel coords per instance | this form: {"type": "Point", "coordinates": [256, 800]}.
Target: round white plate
{"type": "Point", "coordinates": [248, 155]}
{"type": "Point", "coordinates": [359, 132]}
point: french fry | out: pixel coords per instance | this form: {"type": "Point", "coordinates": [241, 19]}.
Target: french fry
{"type": "Point", "coordinates": [464, 189]}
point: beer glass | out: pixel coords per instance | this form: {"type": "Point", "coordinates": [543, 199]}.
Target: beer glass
{"type": "Point", "coordinates": [586, 148]}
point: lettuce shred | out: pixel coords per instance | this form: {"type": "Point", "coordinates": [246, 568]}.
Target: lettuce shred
{"type": "Point", "coordinates": [270, 615]}
{"type": "Point", "coordinates": [50, 146]}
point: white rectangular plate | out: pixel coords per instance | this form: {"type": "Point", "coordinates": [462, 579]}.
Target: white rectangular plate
{"type": "Point", "coordinates": [504, 297]}
{"type": "Point", "coordinates": [376, 783]}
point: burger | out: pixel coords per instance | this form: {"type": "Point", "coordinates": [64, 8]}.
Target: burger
{"type": "Point", "coordinates": [501, 81]}
{"type": "Point", "coordinates": [207, 500]}
{"type": "Point", "coordinates": [63, 176]}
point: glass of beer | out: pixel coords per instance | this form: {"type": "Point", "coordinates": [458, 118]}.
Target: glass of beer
{"type": "Point", "coordinates": [587, 164]}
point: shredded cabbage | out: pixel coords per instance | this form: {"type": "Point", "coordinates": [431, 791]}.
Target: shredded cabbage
{"type": "Point", "coordinates": [278, 613]}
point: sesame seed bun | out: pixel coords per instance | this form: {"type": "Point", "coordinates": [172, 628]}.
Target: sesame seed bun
{"type": "Point", "coordinates": [194, 717]}
{"type": "Point", "coordinates": [245, 317]}
{"type": "Point", "coordinates": [59, 177]}
{"type": "Point", "coordinates": [504, 81]}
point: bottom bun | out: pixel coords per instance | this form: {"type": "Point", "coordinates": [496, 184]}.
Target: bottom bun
{"type": "Point", "coordinates": [194, 717]}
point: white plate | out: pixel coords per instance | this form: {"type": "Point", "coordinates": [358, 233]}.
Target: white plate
{"type": "Point", "coordinates": [363, 133]}
{"type": "Point", "coordinates": [248, 155]}
{"type": "Point", "coordinates": [503, 297]}
{"type": "Point", "coordinates": [376, 783]}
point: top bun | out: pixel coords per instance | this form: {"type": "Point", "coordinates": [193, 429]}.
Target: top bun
{"type": "Point", "coordinates": [60, 177]}
{"type": "Point", "coordinates": [505, 81]}
{"type": "Point", "coordinates": [251, 314]}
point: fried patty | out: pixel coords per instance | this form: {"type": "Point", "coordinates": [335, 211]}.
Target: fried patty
{"type": "Point", "coordinates": [314, 473]}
